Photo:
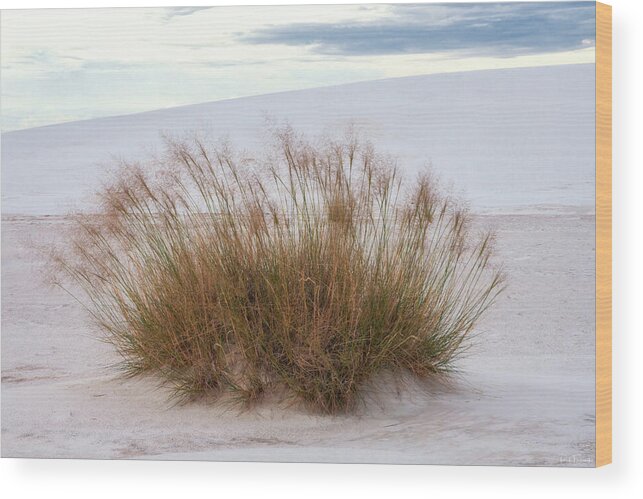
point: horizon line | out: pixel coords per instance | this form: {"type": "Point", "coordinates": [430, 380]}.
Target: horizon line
{"type": "Point", "coordinates": [423, 75]}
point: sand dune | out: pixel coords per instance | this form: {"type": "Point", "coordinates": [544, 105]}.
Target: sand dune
{"type": "Point", "coordinates": [504, 139]}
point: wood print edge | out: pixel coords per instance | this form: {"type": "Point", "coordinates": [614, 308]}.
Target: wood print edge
{"type": "Point", "coordinates": [603, 234]}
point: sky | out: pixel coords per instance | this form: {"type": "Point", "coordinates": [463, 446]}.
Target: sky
{"type": "Point", "coordinates": [61, 65]}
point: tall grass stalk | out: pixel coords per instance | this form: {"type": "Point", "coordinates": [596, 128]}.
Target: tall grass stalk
{"type": "Point", "coordinates": [308, 275]}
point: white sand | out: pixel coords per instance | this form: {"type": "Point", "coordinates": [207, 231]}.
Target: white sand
{"type": "Point", "coordinates": [525, 397]}
{"type": "Point", "coordinates": [502, 138]}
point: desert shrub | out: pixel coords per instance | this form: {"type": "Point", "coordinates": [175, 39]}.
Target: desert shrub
{"type": "Point", "coordinates": [306, 273]}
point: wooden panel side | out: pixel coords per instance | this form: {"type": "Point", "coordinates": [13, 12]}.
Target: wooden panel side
{"type": "Point", "coordinates": [603, 234]}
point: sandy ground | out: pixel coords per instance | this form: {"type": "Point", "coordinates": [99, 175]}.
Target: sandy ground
{"type": "Point", "coordinates": [525, 395]}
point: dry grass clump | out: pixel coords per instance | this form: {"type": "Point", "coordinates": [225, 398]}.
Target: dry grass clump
{"type": "Point", "coordinates": [311, 274]}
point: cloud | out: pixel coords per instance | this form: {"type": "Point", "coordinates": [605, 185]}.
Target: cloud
{"type": "Point", "coordinates": [183, 11]}
{"type": "Point", "coordinates": [496, 29]}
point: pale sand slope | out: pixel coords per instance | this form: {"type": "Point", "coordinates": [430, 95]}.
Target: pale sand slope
{"type": "Point", "coordinates": [503, 138]}
{"type": "Point", "coordinates": [526, 396]}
